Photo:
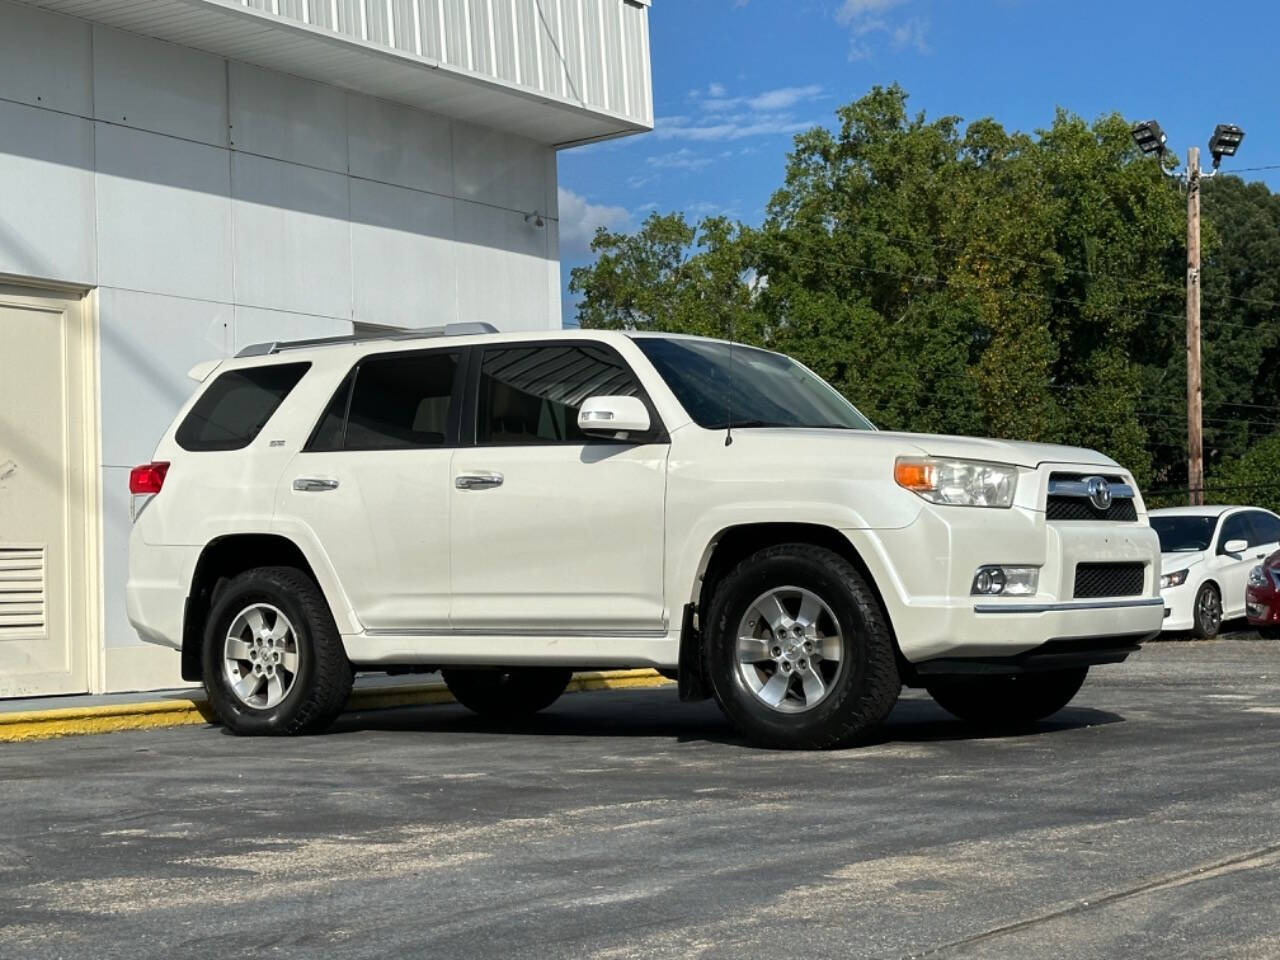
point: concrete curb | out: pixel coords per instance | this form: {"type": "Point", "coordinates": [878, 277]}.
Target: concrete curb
{"type": "Point", "coordinates": [155, 714]}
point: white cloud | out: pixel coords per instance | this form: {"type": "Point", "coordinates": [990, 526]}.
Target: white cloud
{"type": "Point", "coordinates": [682, 159]}
{"type": "Point", "coordinates": [867, 19]}
{"type": "Point", "coordinates": [722, 117]}
{"type": "Point", "coordinates": [580, 219]}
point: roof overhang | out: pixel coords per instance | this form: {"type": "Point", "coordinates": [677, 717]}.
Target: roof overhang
{"type": "Point", "coordinates": [229, 29]}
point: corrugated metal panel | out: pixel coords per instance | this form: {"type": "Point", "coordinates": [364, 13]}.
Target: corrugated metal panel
{"type": "Point", "coordinates": [592, 51]}
{"type": "Point", "coordinates": [635, 22]}
{"type": "Point", "coordinates": [614, 56]}
{"type": "Point", "coordinates": [553, 63]}
{"type": "Point", "coordinates": [527, 30]}
{"type": "Point", "coordinates": [571, 47]}
{"type": "Point", "coordinates": [591, 54]}
{"type": "Point", "coordinates": [457, 32]}
{"type": "Point", "coordinates": [503, 25]}
{"type": "Point", "coordinates": [481, 38]}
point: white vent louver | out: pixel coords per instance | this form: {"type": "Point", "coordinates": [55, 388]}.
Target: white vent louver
{"type": "Point", "coordinates": [22, 587]}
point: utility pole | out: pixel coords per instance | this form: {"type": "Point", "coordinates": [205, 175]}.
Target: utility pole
{"type": "Point", "coordinates": [1195, 437]}
{"type": "Point", "coordinates": [1225, 141]}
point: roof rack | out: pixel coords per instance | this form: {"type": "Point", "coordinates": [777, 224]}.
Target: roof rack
{"type": "Point", "coordinates": [421, 333]}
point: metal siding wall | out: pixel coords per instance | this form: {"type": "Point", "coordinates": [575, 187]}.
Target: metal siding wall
{"type": "Point", "coordinates": [616, 69]}
{"type": "Point", "coordinates": [432, 29]}
{"type": "Point", "coordinates": [600, 47]}
{"type": "Point", "coordinates": [571, 38]}
{"type": "Point", "coordinates": [528, 29]}
{"type": "Point", "coordinates": [481, 51]}
{"type": "Point", "coordinates": [455, 33]}
{"type": "Point", "coordinates": [592, 54]}
{"type": "Point", "coordinates": [504, 39]}
{"type": "Point", "coordinates": [549, 39]}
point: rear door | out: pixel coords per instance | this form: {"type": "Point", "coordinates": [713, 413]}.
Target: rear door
{"type": "Point", "coordinates": [373, 485]}
{"type": "Point", "coordinates": [1233, 570]}
{"type": "Point", "coordinates": [553, 532]}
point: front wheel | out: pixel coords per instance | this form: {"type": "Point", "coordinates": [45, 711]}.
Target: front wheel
{"type": "Point", "coordinates": [1009, 700]}
{"type": "Point", "coordinates": [1207, 615]}
{"type": "Point", "coordinates": [273, 658]}
{"type": "Point", "coordinates": [799, 651]}
{"type": "Point", "coordinates": [507, 694]}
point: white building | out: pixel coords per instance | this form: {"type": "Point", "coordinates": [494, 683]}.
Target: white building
{"type": "Point", "coordinates": [179, 178]}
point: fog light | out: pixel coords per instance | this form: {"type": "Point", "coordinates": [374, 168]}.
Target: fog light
{"type": "Point", "coordinates": [993, 580]}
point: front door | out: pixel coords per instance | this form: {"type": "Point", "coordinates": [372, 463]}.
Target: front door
{"type": "Point", "coordinates": [553, 533]}
{"type": "Point", "coordinates": [46, 503]}
{"type": "Point", "coordinates": [1233, 569]}
{"type": "Point", "coordinates": [373, 485]}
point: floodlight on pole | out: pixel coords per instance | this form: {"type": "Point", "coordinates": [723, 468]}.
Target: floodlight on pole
{"type": "Point", "coordinates": [1149, 137]}
{"type": "Point", "coordinates": [1224, 142]}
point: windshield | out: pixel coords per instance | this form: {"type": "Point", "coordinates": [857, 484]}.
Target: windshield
{"type": "Point", "coordinates": [762, 389]}
{"type": "Point", "coordinates": [1185, 533]}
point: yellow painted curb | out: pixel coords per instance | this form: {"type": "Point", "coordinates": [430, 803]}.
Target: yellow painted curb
{"type": "Point", "coordinates": [73, 721]}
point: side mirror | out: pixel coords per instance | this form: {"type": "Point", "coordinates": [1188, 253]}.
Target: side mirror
{"type": "Point", "coordinates": [1235, 546]}
{"type": "Point", "coordinates": [610, 416]}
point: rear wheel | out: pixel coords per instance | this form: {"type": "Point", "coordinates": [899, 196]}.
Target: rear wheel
{"type": "Point", "coordinates": [1010, 700]}
{"type": "Point", "coordinates": [273, 659]}
{"type": "Point", "coordinates": [799, 652]}
{"type": "Point", "coordinates": [1207, 615]}
{"type": "Point", "coordinates": [507, 694]}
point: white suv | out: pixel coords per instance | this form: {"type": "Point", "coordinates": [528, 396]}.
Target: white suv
{"type": "Point", "coordinates": [509, 508]}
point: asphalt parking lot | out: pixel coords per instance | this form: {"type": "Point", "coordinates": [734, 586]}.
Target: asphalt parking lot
{"type": "Point", "coordinates": [1143, 821]}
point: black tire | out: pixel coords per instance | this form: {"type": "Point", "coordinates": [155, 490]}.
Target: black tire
{"type": "Point", "coordinates": [507, 694]}
{"type": "Point", "coordinates": [1206, 615]}
{"type": "Point", "coordinates": [1009, 701]}
{"type": "Point", "coordinates": [322, 683]}
{"type": "Point", "coordinates": [864, 688]}
{"type": "Point", "coordinates": [1269, 633]}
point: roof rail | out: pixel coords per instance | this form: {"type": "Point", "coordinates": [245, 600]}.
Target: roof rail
{"type": "Point", "coordinates": [448, 330]}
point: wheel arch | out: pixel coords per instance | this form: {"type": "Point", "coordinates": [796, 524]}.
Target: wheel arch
{"type": "Point", "coordinates": [221, 559]}
{"type": "Point", "coordinates": [735, 543]}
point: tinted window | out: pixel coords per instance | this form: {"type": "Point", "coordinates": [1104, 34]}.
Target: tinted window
{"type": "Point", "coordinates": [753, 388]}
{"type": "Point", "coordinates": [1235, 527]}
{"type": "Point", "coordinates": [400, 401]}
{"type": "Point", "coordinates": [1266, 527]}
{"type": "Point", "coordinates": [329, 431]}
{"type": "Point", "coordinates": [532, 394]}
{"type": "Point", "coordinates": [1181, 533]}
{"type": "Point", "coordinates": [237, 406]}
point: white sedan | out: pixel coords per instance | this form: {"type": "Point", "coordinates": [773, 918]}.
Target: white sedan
{"type": "Point", "coordinates": [1206, 554]}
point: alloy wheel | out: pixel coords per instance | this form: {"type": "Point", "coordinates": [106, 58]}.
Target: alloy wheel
{"type": "Point", "coordinates": [790, 651]}
{"type": "Point", "coordinates": [260, 656]}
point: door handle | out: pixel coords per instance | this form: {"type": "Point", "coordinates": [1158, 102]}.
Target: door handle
{"type": "Point", "coordinates": [478, 481]}
{"type": "Point", "coordinates": [314, 484]}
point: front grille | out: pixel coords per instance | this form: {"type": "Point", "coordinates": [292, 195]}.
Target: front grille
{"type": "Point", "coordinates": [1094, 580]}
{"type": "Point", "coordinates": [1078, 508]}
{"type": "Point", "coordinates": [1068, 509]}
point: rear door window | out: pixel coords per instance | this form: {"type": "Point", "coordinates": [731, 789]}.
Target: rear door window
{"type": "Point", "coordinates": [236, 406]}
{"type": "Point", "coordinates": [399, 401]}
{"type": "Point", "coordinates": [1266, 527]}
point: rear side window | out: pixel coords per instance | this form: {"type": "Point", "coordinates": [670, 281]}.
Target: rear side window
{"type": "Point", "coordinates": [400, 401]}
{"type": "Point", "coordinates": [236, 406]}
{"type": "Point", "coordinates": [1266, 528]}
{"type": "Point", "coordinates": [531, 395]}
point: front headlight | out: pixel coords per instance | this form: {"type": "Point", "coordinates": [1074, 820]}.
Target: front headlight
{"type": "Point", "coordinates": [1257, 577]}
{"type": "Point", "coordinates": [1175, 579]}
{"type": "Point", "coordinates": [966, 483]}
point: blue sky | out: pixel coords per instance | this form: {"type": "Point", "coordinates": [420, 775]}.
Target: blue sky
{"type": "Point", "coordinates": [735, 79]}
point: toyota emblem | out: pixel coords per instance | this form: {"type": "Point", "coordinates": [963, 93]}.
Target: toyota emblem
{"type": "Point", "coordinates": [1099, 489]}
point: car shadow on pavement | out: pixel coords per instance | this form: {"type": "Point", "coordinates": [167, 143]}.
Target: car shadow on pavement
{"type": "Point", "coordinates": [657, 714]}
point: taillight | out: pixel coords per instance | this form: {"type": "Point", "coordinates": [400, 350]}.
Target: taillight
{"type": "Point", "coordinates": [148, 478]}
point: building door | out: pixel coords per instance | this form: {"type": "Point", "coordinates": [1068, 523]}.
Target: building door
{"type": "Point", "coordinates": [48, 515]}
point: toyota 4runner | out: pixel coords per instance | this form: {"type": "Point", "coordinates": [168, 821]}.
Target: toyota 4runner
{"type": "Point", "coordinates": [508, 508]}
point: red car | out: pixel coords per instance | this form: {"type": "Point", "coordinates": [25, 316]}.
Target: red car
{"type": "Point", "coordinates": [1262, 596]}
